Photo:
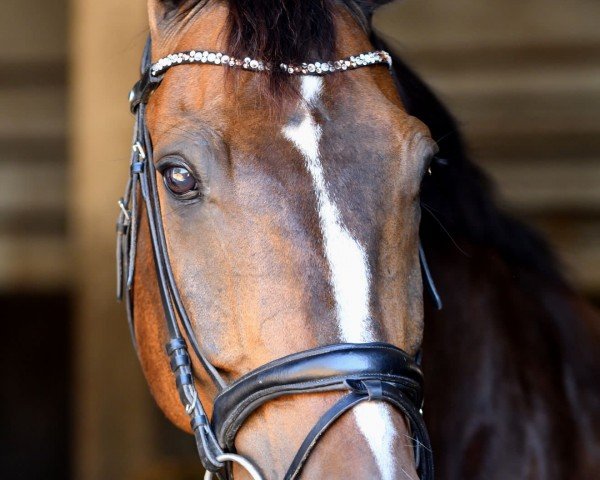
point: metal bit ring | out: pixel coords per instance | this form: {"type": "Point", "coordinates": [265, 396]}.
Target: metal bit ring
{"type": "Point", "coordinates": [243, 462]}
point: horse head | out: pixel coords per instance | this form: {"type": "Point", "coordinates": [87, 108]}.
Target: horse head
{"type": "Point", "coordinates": [290, 209]}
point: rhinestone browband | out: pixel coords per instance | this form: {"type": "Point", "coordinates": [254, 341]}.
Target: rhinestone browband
{"type": "Point", "coordinates": [317, 68]}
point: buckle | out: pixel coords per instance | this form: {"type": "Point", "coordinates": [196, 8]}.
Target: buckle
{"type": "Point", "coordinates": [124, 211]}
{"type": "Point", "coordinates": [139, 150]}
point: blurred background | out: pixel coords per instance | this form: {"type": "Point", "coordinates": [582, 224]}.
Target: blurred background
{"type": "Point", "coordinates": [523, 78]}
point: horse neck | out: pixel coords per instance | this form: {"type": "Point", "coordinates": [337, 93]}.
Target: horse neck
{"type": "Point", "coordinates": [510, 369]}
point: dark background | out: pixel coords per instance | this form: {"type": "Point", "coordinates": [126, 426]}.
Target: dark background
{"type": "Point", "coordinates": [522, 77]}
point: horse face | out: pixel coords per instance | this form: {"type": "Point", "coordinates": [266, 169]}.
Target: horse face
{"type": "Point", "coordinates": [290, 224]}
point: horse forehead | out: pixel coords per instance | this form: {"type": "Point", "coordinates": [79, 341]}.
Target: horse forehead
{"type": "Point", "coordinates": [358, 124]}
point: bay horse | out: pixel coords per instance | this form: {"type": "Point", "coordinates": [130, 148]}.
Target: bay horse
{"type": "Point", "coordinates": [283, 186]}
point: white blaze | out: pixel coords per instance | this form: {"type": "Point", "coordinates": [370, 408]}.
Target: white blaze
{"type": "Point", "coordinates": [350, 277]}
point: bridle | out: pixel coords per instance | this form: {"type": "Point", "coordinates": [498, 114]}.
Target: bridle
{"type": "Point", "coordinates": [372, 371]}
{"type": "Point", "coordinates": [366, 372]}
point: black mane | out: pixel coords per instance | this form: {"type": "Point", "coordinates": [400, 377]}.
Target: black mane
{"type": "Point", "coordinates": [279, 31]}
{"type": "Point", "coordinates": [535, 342]}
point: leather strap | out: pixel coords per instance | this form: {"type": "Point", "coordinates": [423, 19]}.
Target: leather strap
{"type": "Point", "coordinates": [369, 372]}
{"type": "Point", "coordinates": [320, 369]}
{"type": "Point", "coordinates": [140, 93]}
{"type": "Point", "coordinates": [327, 420]}
{"type": "Point", "coordinates": [142, 184]}
{"type": "Point", "coordinates": [368, 390]}
{"type": "Point", "coordinates": [428, 280]}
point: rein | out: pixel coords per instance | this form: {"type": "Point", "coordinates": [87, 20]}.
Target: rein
{"type": "Point", "coordinates": [365, 372]}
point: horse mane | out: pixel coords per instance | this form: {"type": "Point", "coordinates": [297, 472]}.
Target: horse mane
{"type": "Point", "coordinates": [549, 332]}
{"type": "Point", "coordinates": [279, 31]}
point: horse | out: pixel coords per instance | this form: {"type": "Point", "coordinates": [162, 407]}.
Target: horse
{"type": "Point", "coordinates": [286, 170]}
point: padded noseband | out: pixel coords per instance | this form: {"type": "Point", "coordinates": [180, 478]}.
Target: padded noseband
{"type": "Point", "coordinates": [367, 372]}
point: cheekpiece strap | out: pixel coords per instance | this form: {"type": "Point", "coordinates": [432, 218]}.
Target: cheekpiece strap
{"type": "Point", "coordinates": [143, 88]}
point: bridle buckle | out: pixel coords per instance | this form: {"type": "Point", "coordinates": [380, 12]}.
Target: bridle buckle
{"type": "Point", "coordinates": [124, 210]}
{"type": "Point", "coordinates": [139, 150]}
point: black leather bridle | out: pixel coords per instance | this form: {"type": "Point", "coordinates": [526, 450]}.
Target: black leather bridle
{"type": "Point", "coordinates": [365, 372]}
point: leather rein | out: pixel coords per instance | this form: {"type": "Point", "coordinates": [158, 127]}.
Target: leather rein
{"type": "Point", "coordinates": [365, 372]}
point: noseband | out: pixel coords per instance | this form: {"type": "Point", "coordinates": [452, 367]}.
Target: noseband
{"type": "Point", "coordinates": [365, 372]}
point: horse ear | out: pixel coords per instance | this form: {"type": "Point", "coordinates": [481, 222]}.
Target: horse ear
{"type": "Point", "coordinates": [369, 6]}
{"type": "Point", "coordinates": [160, 11]}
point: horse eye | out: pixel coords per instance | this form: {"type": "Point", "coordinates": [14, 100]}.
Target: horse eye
{"type": "Point", "coordinates": [180, 182]}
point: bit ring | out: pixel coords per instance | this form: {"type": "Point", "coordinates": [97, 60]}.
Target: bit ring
{"type": "Point", "coordinates": [242, 461]}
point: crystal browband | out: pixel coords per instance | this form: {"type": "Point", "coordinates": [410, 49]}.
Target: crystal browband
{"type": "Point", "coordinates": [317, 68]}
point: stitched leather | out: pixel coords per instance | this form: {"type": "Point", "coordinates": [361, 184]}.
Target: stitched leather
{"type": "Point", "coordinates": [320, 369]}
{"type": "Point", "coordinates": [377, 390]}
